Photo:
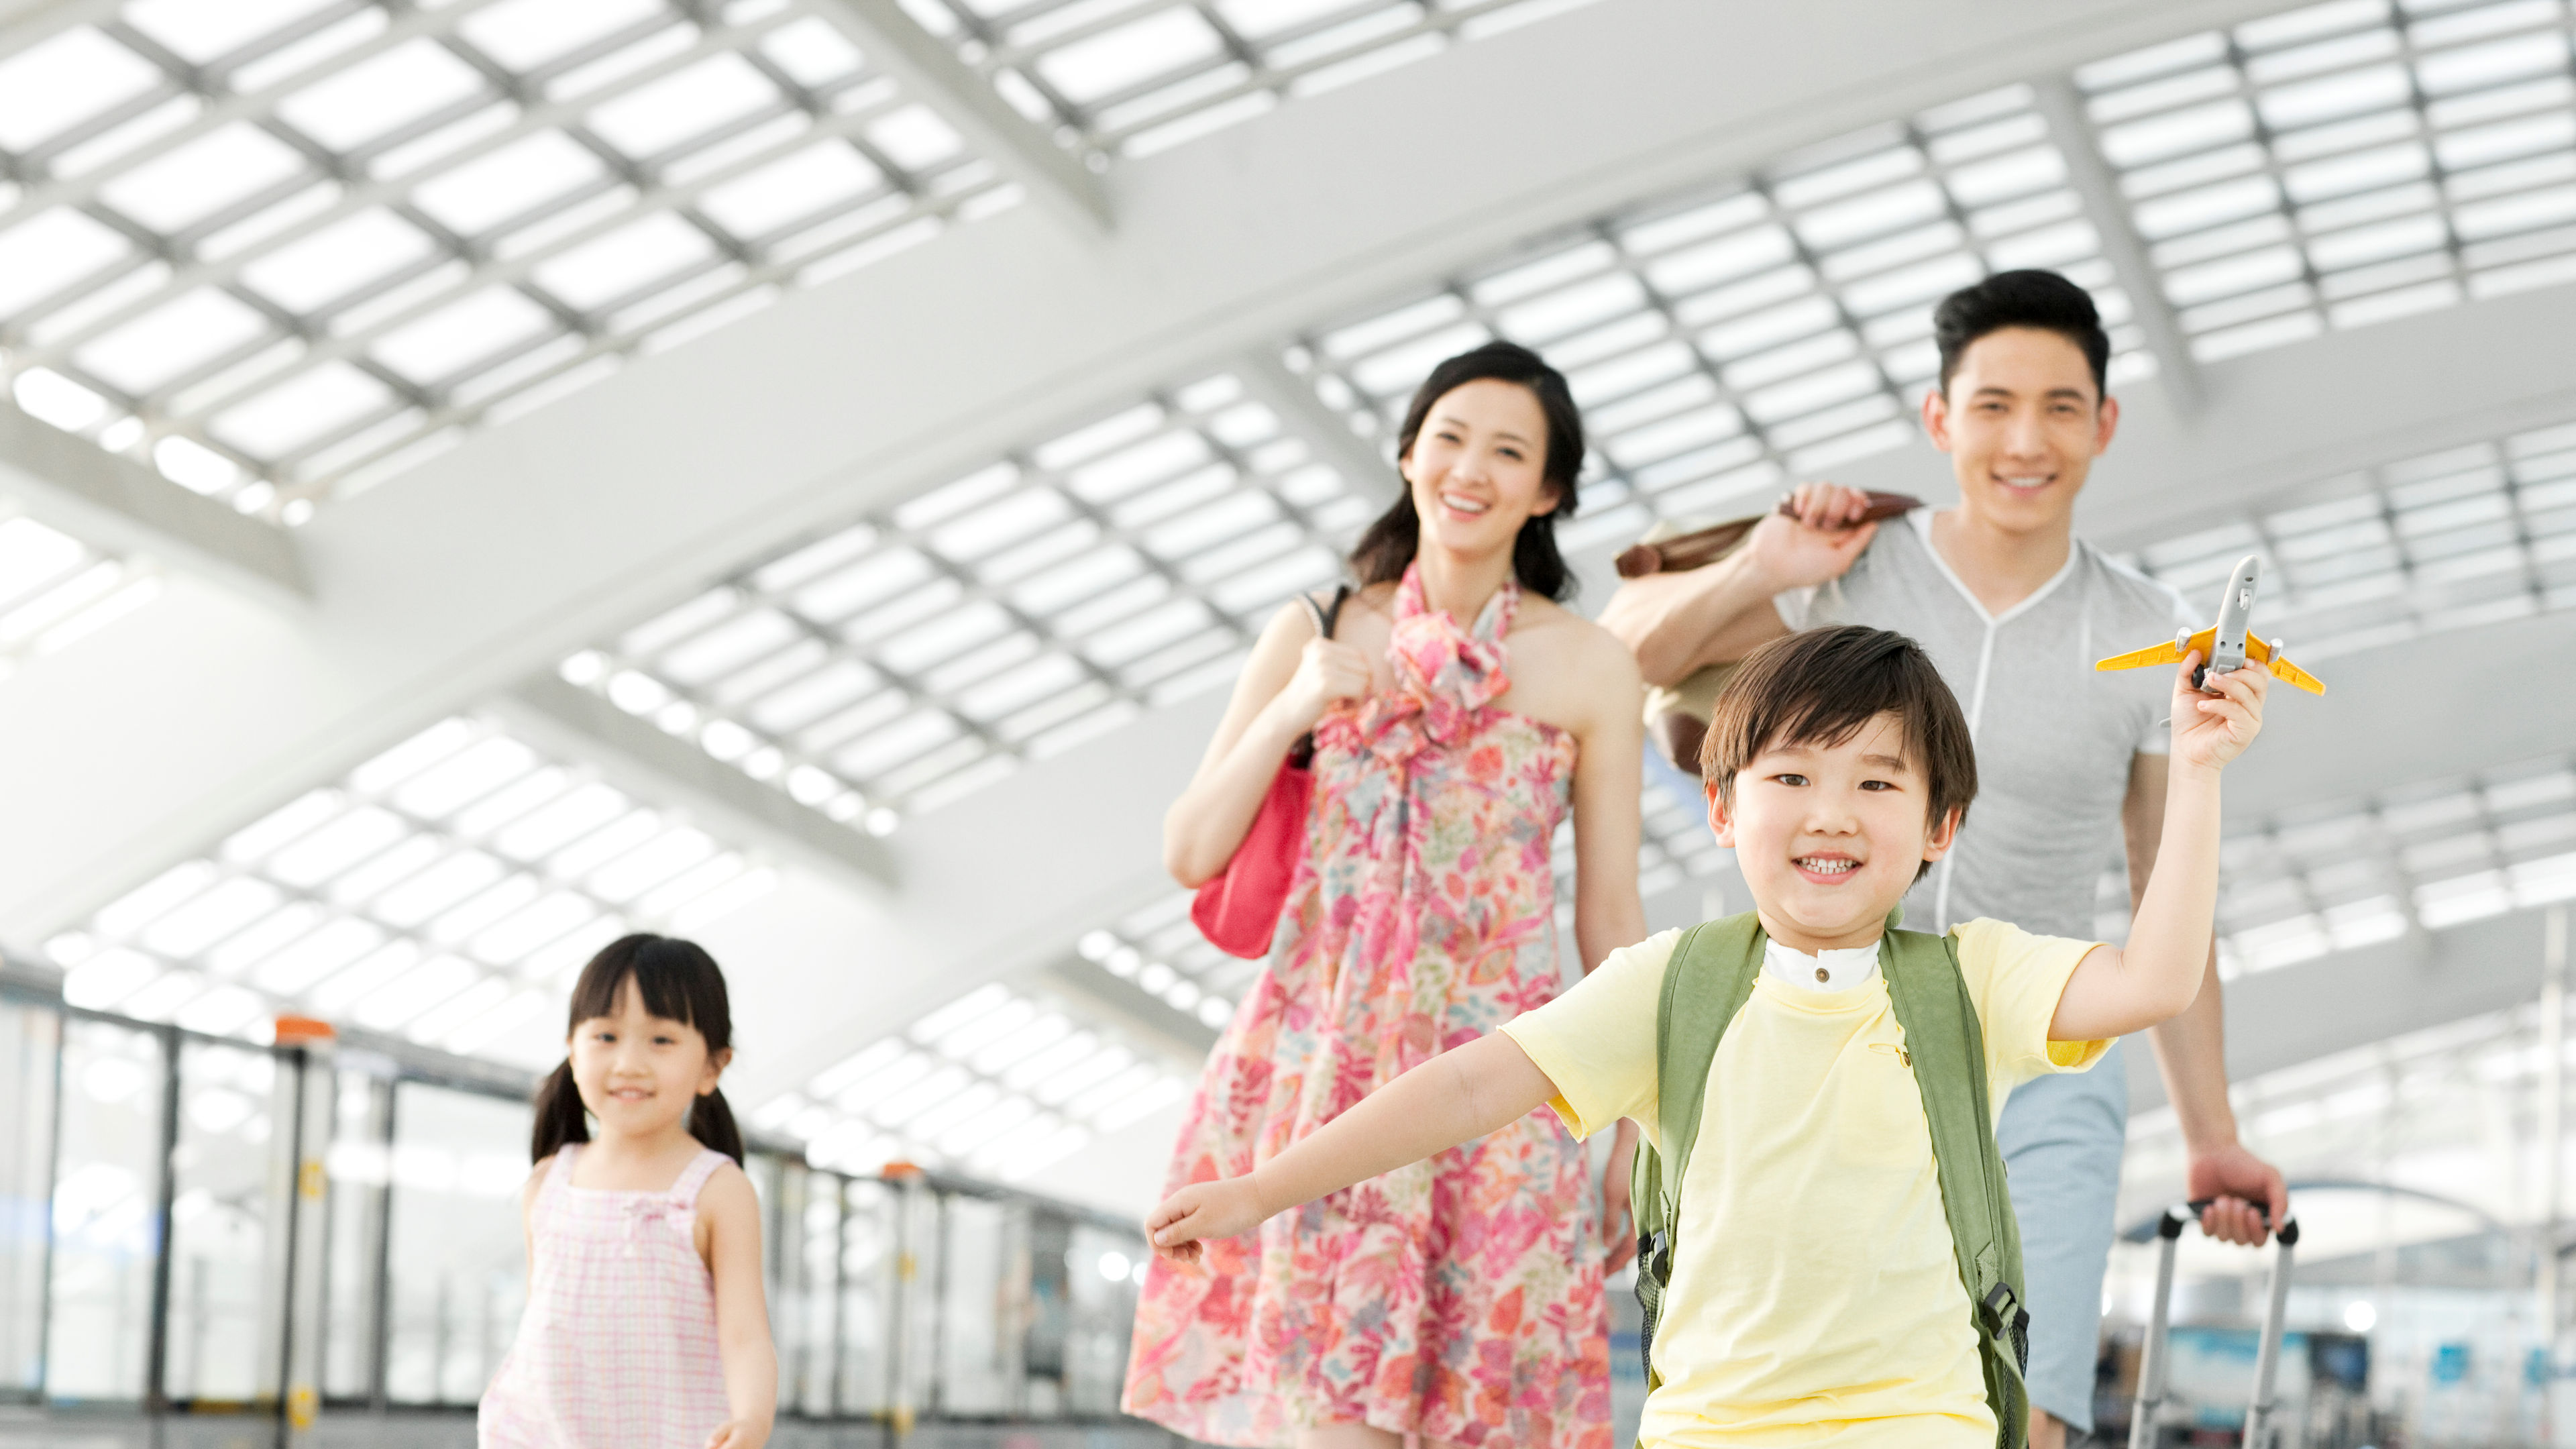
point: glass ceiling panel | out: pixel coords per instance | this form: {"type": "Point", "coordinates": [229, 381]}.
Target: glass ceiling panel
{"type": "Point", "coordinates": [1724, 341]}
{"type": "Point", "coordinates": [933, 647]}
{"type": "Point", "coordinates": [2348, 873]}
{"type": "Point", "coordinates": [282, 250]}
{"type": "Point", "coordinates": [998, 1082]}
{"type": "Point", "coordinates": [447, 889]}
{"type": "Point", "coordinates": [2469, 536]}
{"type": "Point", "coordinates": [2347, 163]}
{"type": "Point", "coordinates": [55, 589]}
{"type": "Point", "coordinates": [1131, 77]}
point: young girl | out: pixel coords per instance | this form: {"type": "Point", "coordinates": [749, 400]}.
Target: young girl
{"type": "Point", "coordinates": [645, 1323]}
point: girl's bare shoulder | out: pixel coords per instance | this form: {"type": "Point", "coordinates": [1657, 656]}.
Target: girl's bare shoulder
{"type": "Point", "coordinates": [728, 1189]}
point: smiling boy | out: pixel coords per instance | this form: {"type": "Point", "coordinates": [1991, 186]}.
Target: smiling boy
{"type": "Point", "coordinates": [1813, 1289]}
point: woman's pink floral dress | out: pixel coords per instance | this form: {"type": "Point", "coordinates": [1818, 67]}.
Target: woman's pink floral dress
{"type": "Point", "coordinates": [1460, 1298]}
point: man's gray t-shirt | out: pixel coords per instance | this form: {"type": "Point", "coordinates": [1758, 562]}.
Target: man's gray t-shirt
{"type": "Point", "coordinates": [2054, 737]}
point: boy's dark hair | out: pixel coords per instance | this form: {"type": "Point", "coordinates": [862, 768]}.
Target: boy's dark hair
{"type": "Point", "coordinates": [679, 982]}
{"type": "Point", "coordinates": [2043, 300]}
{"type": "Point", "coordinates": [1820, 688]}
{"type": "Point", "coordinates": [1389, 544]}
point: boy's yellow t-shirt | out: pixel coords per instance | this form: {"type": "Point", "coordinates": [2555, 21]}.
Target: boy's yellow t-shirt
{"type": "Point", "coordinates": [1814, 1295]}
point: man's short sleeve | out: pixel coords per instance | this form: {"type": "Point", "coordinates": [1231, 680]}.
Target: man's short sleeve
{"type": "Point", "coordinates": [2016, 979]}
{"type": "Point", "coordinates": [1596, 1043]}
{"type": "Point", "coordinates": [1795, 607]}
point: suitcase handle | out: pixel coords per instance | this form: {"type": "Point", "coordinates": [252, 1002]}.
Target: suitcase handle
{"type": "Point", "coordinates": [2261, 1426]}
{"type": "Point", "coordinates": [2180, 1215]}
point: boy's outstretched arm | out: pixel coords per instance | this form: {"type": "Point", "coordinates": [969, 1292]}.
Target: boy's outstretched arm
{"type": "Point", "coordinates": [1455, 1097]}
{"type": "Point", "coordinates": [2115, 992]}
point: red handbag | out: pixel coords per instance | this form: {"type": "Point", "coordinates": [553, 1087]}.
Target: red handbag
{"type": "Point", "coordinates": [1238, 910]}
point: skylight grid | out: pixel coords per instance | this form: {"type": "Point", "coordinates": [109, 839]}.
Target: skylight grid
{"type": "Point", "coordinates": [2468, 536]}
{"type": "Point", "coordinates": [55, 589]}
{"type": "Point", "coordinates": [933, 647]}
{"type": "Point", "coordinates": [1159, 948]}
{"type": "Point", "coordinates": [996, 1082]}
{"type": "Point", "coordinates": [1723, 342]}
{"type": "Point", "coordinates": [2346, 163]}
{"type": "Point", "coordinates": [1131, 77]}
{"type": "Point", "coordinates": [2351, 873]}
{"type": "Point", "coordinates": [315, 249]}
{"type": "Point", "coordinates": [447, 890]}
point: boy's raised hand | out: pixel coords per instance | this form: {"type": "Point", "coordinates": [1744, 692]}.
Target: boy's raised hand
{"type": "Point", "coordinates": [2210, 730]}
{"type": "Point", "coordinates": [1218, 1209]}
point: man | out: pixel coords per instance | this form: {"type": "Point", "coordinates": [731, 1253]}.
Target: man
{"type": "Point", "coordinates": [2013, 609]}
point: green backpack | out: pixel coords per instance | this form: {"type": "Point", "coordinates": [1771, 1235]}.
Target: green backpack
{"type": "Point", "coordinates": [1710, 977]}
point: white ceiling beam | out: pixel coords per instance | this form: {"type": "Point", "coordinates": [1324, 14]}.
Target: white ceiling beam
{"type": "Point", "coordinates": [26, 23]}
{"type": "Point", "coordinates": [652, 764]}
{"type": "Point", "coordinates": [925, 66]}
{"type": "Point", "coordinates": [2433, 708]}
{"type": "Point", "coordinates": [2334, 1003]}
{"type": "Point", "coordinates": [488, 564]}
{"type": "Point", "coordinates": [1362, 464]}
{"type": "Point", "coordinates": [121, 507]}
{"type": "Point", "coordinates": [2089, 172]}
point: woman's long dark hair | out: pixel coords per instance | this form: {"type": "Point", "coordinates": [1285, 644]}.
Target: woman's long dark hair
{"type": "Point", "coordinates": [1388, 547]}
{"type": "Point", "coordinates": [679, 982]}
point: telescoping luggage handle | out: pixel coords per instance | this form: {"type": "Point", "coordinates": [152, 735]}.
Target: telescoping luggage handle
{"type": "Point", "coordinates": [2260, 1430]}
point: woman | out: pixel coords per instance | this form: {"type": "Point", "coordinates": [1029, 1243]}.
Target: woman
{"type": "Point", "coordinates": [1459, 715]}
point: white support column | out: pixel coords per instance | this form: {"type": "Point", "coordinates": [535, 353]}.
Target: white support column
{"type": "Point", "coordinates": [923, 64]}
{"type": "Point", "coordinates": [2089, 172]}
{"type": "Point", "coordinates": [2553, 1116]}
{"type": "Point", "coordinates": [1363, 465]}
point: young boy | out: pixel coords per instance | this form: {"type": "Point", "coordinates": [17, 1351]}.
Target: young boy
{"type": "Point", "coordinates": [1814, 1293]}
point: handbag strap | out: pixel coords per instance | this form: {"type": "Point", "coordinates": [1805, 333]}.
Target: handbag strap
{"type": "Point", "coordinates": [1325, 615]}
{"type": "Point", "coordinates": [1302, 753]}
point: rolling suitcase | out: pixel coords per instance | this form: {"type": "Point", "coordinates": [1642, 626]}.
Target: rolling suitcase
{"type": "Point", "coordinates": [2262, 1425]}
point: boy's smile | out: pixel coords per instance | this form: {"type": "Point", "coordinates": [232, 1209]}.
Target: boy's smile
{"type": "Point", "coordinates": [1830, 837]}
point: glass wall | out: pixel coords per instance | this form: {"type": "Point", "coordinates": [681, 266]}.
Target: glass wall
{"type": "Point", "coordinates": [870, 1258]}
{"type": "Point", "coordinates": [457, 1255]}
{"type": "Point", "coordinates": [29, 1037]}
{"type": "Point", "coordinates": [1102, 1268]}
{"type": "Point", "coordinates": [980, 1312]}
{"type": "Point", "coordinates": [227, 1228]}
{"type": "Point", "coordinates": [107, 1199]}
{"type": "Point", "coordinates": [146, 1174]}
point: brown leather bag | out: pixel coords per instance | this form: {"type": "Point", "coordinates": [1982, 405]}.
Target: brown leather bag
{"type": "Point", "coordinates": [1677, 715]}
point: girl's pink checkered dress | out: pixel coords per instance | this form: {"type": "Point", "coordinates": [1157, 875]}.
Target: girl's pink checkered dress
{"type": "Point", "coordinates": [617, 1349]}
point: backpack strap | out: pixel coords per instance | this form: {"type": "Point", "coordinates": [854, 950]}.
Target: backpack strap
{"type": "Point", "coordinates": [1946, 1046]}
{"type": "Point", "coordinates": [1705, 984]}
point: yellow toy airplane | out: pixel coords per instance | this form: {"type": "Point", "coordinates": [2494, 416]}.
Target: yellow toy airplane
{"type": "Point", "coordinates": [2226, 645]}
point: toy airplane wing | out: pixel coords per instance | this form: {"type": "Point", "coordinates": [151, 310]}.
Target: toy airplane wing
{"type": "Point", "coordinates": [2280, 666]}
{"type": "Point", "coordinates": [2169, 652]}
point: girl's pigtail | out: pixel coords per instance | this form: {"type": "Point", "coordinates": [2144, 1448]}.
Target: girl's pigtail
{"type": "Point", "coordinates": [711, 1122]}
{"type": "Point", "coordinates": [559, 1115]}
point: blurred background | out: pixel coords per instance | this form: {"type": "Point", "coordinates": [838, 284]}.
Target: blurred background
{"type": "Point", "coordinates": [477, 478]}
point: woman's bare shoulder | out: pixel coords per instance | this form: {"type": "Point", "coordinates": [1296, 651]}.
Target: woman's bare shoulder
{"type": "Point", "coordinates": [1575, 643]}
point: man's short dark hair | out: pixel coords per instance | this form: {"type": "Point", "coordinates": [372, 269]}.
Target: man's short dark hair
{"type": "Point", "coordinates": [1824, 686]}
{"type": "Point", "coordinates": [2042, 300]}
